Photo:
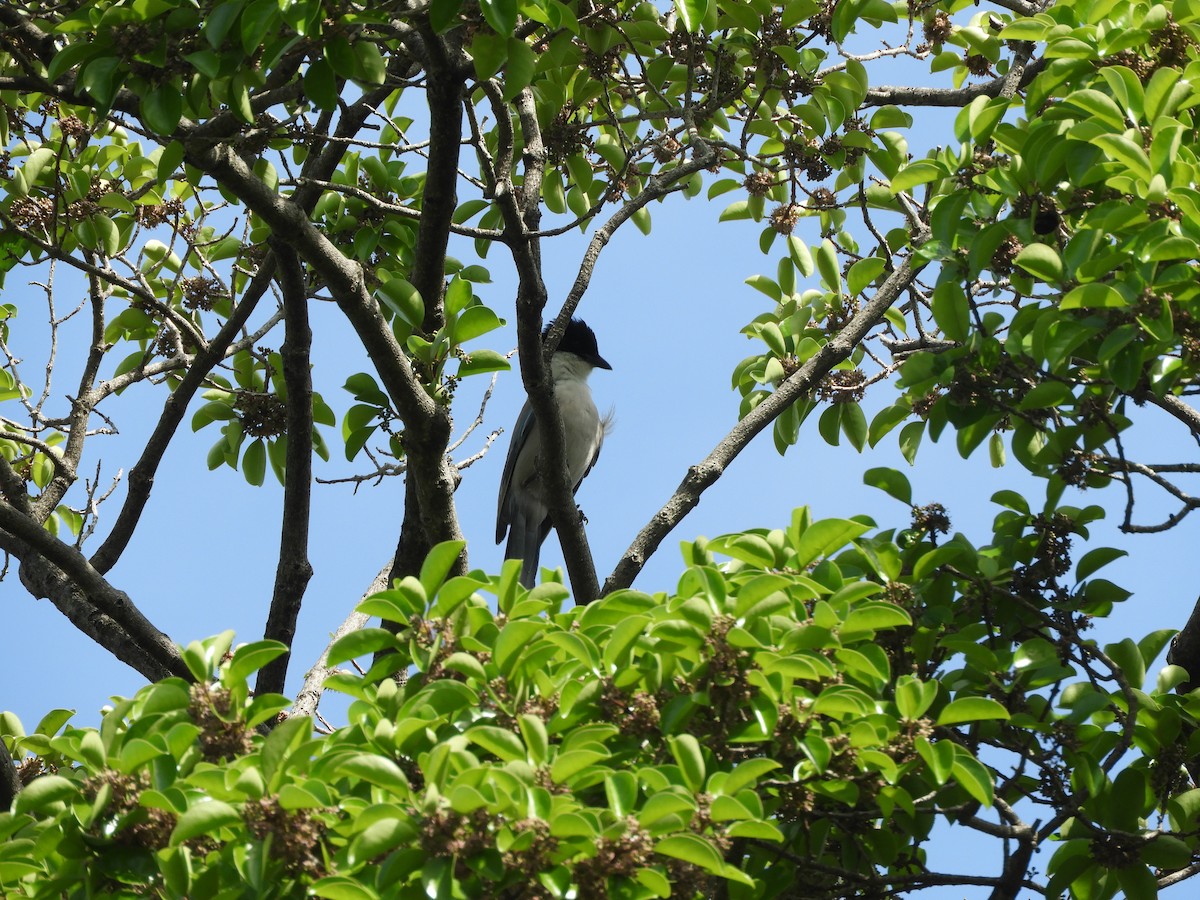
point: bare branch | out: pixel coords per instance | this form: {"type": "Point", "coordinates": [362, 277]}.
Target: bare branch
{"type": "Point", "coordinates": [293, 570]}
{"type": "Point", "coordinates": [1172, 405]}
{"type": "Point", "coordinates": [955, 97]}
{"type": "Point", "coordinates": [704, 474]}
{"type": "Point", "coordinates": [50, 568]}
{"type": "Point", "coordinates": [310, 692]}
{"type": "Point", "coordinates": [141, 476]}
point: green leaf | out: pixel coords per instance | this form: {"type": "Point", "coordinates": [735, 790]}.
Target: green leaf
{"type": "Point", "coordinates": [854, 425]}
{"type": "Point", "coordinates": [937, 756]}
{"type": "Point", "coordinates": [1095, 295]}
{"type": "Point", "coordinates": [686, 750]}
{"type": "Point", "coordinates": [380, 837]}
{"type": "Point", "coordinates": [891, 482]}
{"type": "Point", "coordinates": [249, 658]}
{"type": "Point", "coordinates": [259, 18]}
{"type": "Point", "coordinates": [340, 55]}
{"type": "Point", "coordinates": [824, 536]}
{"type": "Point", "coordinates": [800, 256]}
{"type": "Point", "coordinates": [1129, 659]}
{"type": "Point", "coordinates": [876, 615]}
{"type": "Point", "coordinates": [971, 709]}
{"type": "Point", "coordinates": [206, 817]}
{"type": "Point", "coordinates": [42, 791]}
{"type": "Point", "coordinates": [342, 887]}
{"type": "Point", "coordinates": [692, 13]}
{"type": "Point", "coordinates": [254, 462]}
{"type": "Point", "coordinates": [501, 15]}
{"type": "Point", "coordinates": [372, 67]}
{"type": "Point", "coordinates": [162, 108]}
{"type": "Point", "coordinates": [914, 697]}
{"type": "Point", "coordinates": [863, 272]}
{"type": "Point", "coordinates": [402, 297]}
{"type": "Point", "coordinates": [1137, 882]}
{"type": "Point", "coordinates": [474, 322]}
{"type": "Point", "coordinates": [443, 14]}
{"type": "Point", "coordinates": [910, 440]}
{"type": "Point", "coordinates": [169, 161]}
{"type": "Point", "coordinates": [1096, 559]}
{"type": "Point", "coordinates": [481, 361]}
{"type": "Point", "coordinates": [100, 77]}
{"type": "Point", "coordinates": [973, 776]}
{"type": "Point", "coordinates": [1124, 150]}
{"type": "Point", "coordinates": [827, 265]}
{"type": "Point", "coordinates": [377, 770]}
{"type": "Point", "coordinates": [1041, 261]}
{"type": "Point", "coordinates": [70, 56]}
{"type": "Point", "coordinates": [360, 643]}
{"type": "Point", "coordinates": [537, 741]}
{"type": "Point", "coordinates": [951, 310]}
{"type": "Point", "coordinates": [501, 743]}
{"type": "Point", "coordinates": [438, 563]}
{"type": "Point", "coordinates": [108, 236]}
{"type": "Point", "coordinates": [921, 171]}
{"type": "Point", "coordinates": [320, 85]}
{"type": "Point", "coordinates": [519, 71]}
{"type": "Point", "coordinates": [699, 852]}
{"type": "Point", "coordinates": [572, 762]}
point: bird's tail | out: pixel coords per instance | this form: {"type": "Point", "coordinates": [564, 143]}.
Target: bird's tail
{"type": "Point", "coordinates": [525, 536]}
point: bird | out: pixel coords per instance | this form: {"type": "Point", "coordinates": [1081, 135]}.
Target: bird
{"type": "Point", "coordinates": [522, 509]}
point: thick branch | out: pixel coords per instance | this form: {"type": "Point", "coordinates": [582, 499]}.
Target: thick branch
{"type": "Point", "coordinates": [10, 781]}
{"type": "Point", "coordinates": [423, 524]}
{"type": "Point", "coordinates": [427, 423]}
{"type": "Point", "coordinates": [439, 197]}
{"type": "Point", "coordinates": [29, 34]}
{"type": "Point", "coordinates": [51, 568]}
{"type": "Point", "coordinates": [1175, 407]}
{"type": "Point", "coordinates": [800, 383]}
{"type": "Point", "coordinates": [520, 226]}
{"type": "Point", "coordinates": [1185, 651]}
{"type": "Point", "coordinates": [956, 97]}
{"type": "Point", "coordinates": [293, 570]}
{"type": "Point", "coordinates": [1016, 866]}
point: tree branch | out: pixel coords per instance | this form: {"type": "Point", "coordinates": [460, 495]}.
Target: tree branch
{"type": "Point", "coordinates": [704, 474]}
{"type": "Point", "coordinates": [424, 524]}
{"type": "Point", "coordinates": [141, 476]}
{"type": "Point", "coordinates": [309, 696]}
{"type": "Point", "coordinates": [81, 409]}
{"type": "Point", "coordinates": [956, 97]}
{"type": "Point", "coordinates": [1185, 651]}
{"type": "Point", "coordinates": [439, 197]}
{"type": "Point", "coordinates": [426, 422]}
{"type": "Point", "coordinates": [10, 780]}
{"type": "Point", "coordinates": [50, 568]}
{"type": "Point", "coordinates": [1175, 407]}
{"type": "Point", "coordinates": [293, 570]}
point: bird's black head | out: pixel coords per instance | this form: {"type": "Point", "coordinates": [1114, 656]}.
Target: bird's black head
{"type": "Point", "coordinates": [581, 340]}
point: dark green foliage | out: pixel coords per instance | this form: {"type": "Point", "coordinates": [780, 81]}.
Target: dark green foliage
{"type": "Point", "coordinates": [802, 714]}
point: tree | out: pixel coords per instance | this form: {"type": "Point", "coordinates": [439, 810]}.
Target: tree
{"type": "Point", "coordinates": [798, 716]}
